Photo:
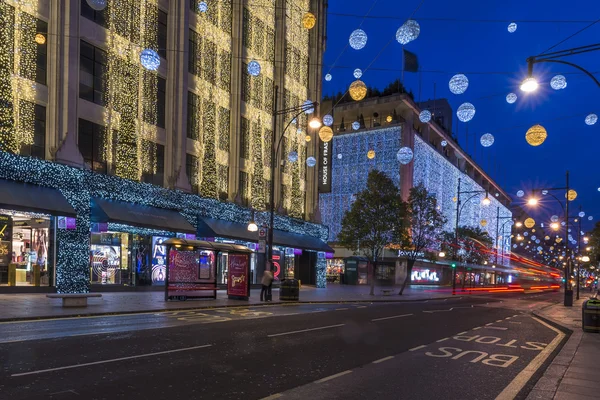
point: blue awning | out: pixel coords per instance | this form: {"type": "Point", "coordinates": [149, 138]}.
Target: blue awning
{"type": "Point", "coordinates": [33, 198]}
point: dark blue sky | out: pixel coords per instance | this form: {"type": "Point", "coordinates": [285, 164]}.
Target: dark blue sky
{"type": "Point", "coordinates": [494, 61]}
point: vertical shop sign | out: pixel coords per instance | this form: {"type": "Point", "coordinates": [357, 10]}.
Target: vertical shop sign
{"type": "Point", "coordinates": [237, 282]}
{"type": "Point", "coordinates": [325, 166]}
{"type": "Point", "coordinates": [5, 240]}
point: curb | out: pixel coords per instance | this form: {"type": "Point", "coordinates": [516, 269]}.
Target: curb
{"type": "Point", "coordinates": [213, 307]}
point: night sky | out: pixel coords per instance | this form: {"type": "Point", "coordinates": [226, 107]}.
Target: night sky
{"type": "Point", "coordinates": [471, 37]}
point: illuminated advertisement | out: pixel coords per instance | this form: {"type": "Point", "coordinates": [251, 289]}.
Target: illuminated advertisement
{"type": "Point", "coordinates": [159, 260]}
{"type": "Point", "coordinates": [237, 284]}
{"type": "Point", "coordinates": [424, 275]}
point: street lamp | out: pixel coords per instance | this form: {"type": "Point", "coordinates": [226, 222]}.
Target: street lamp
{"type": "Point", "coordinates": [442, 254]}
{"type": "Point", "coordinates": [529, 84]}
{"type": "Point", "coordinates": [532, 201]}
{"type": "Point", "coordinates": [315, 123]}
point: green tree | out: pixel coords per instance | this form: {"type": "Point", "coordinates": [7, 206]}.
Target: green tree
{"type": "Point", "coordinates": [424, 222]}
{"type": "Point", "coordinates": [375, 220]}
{"type": "Point", "coordinates": [473, 245]}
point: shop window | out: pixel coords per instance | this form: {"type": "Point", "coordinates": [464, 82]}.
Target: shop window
{"type": "Point", "coordinates": [244, 187]}
{"type": "Point", "coordinates": [245, 139]}
{"type": "Point", "coordinates": [91, 142]}
{"type": "Point", "coordinates": [38, 148]}
{"type": "Point", "coordinates": [98, 17]}
{"type": "Point", "coordinates": [41, 60]}
{"type": "Point", "coordinates": [156, 158]}
{"type": "Point", "coordinates": [162, 34]}
{"type": "Point", "coordinates": [193, 111]}
{"type": "Point", "coordinates": [191, 170]}
{"type": "Point", "coordinates": [161, 106]}
{"type": "Point", "coordinates": [92, 73]}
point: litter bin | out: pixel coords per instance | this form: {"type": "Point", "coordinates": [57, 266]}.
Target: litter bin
{"type": "Point", "coordinates": [569, 298]}
{"type": "Point", "coordinates": [590, 316]}
{"type": "Point", "coordinates": [289, 290]}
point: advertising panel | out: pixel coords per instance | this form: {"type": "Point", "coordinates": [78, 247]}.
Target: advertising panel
{"type": "Point", "coordinates": [239, 274]}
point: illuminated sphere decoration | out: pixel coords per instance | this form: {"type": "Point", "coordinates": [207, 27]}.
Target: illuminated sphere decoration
{"type": "Point", "coordinates": [547, 238]}
{"type": "Point", "coordinates": [371, 154]}
{"type": "Point", "coordinates": [544, 192]}
{"type": "Point", "coordinates": [483, 223]}
{"type": "Point", "coordinates": [591, 119]}
{"type": "Point", "coordinates": [487, 140]}
{"type": "Point", "coordinates": [425, 116]}
{"type": "Point", "coordinates": [526, 234]}
{"type": "Point", "coordinates": [533, 237]}
{"type": "Point", "coordinates": [458, 84]}
{"type": "Point", "coordinates": [512, 27]}
{"type": "Point", "coordinates": [40, 38]}
{"type": "Point", "coordinates": [293, 156]}
{"type": "Point", "coordinates": [444, 143]}
{"type": "Point", "coordinates": [358, 39]}
{"type": "Point", "coordinates": [339, 156]}
{"type": "Point", "coordinates": [408, 32]}
{"type": "Point", "coordinates": [389, 118]}
{"type": "Point", "coordinates": [590, 218]}
{"type": "Point", "coordinates": [558, 82]}
{"type": "Point", "coordinates": [404, 155]}
{"type": "Point", "coordinates": [308, 107]}
{"type": "Point", "coordinates": [357, 73]}
{"type": "Point", "coordinates": [254, 68]}
{"type": "Point", "coordinates": [465, 112]}
{"type": "Point", "coordinates": [311, 161]}
{"type": "Point", "coordinates": [309, 20]}
{"type": "Point", "coordinates": [326, 134]}
{"type": "Point", "coordinates": [356, 126]}
{"type": "Point", "coordinates": [529, 223]}
{"type": "Point", "coordinates": [581, 214]}
{"type": "Point", "coordinates": [554, 218]}
{"type": "Point", "coordinates": [202, 7]}
{"type": "Point", "coordinates": [520, 193]}
{"type": "Point", "coordinates": [327, 120]}
{"type": "Point", "coordinates": [149, 59]}
{"type": "Point", "coordinates": [511, 98]}
{"type": "Point", "coordinates": [536, 135]}
{"type": "Point", "coordinates": [97, 5]}
{"type": "Point", "coordinates": [307, 138]}
{"type": "Point", "coordinates": [328, 77]}
{"type": "Point", "coordinates": [358, 90]}
{"type": "Point", "coordinates": [571, 195]}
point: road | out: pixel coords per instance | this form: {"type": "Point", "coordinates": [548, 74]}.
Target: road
{"type": "Point", "coordinates": [470, 347]}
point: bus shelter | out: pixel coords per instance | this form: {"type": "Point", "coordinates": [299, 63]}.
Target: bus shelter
{"type": "Point", "coordinates": [191, 269]}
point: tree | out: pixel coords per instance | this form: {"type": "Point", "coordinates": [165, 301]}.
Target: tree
{"type": "Point", "coordinates": [374, 221]}
{"type": "Point", "coordinates": [473, 245]}
{"type": "Point", "coordinates": [424, 222]}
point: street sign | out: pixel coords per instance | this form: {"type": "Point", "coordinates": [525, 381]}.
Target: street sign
{"type": "Point", "coordinates": [262, 233]}
{"type": "Point", "coordinates": [262, 246]}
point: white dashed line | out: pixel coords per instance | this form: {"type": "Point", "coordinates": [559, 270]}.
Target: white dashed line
{"type": "Point", "coordinates": [479, 327]}
{"type": "Point", "coordinates": [395, 316]}
{"type": "Point", "coordinates": [417, 348]}
{"type": "Point", "coordinates": [333, 376]}
{"type": "Point", "coordinates": [306, 330]}
{"type": "Point", "coordinates": [499, 320]}
{"type": "Point", "coordinates": [462, 333]}
{"type": "Point", "coordinates": [489, 324]}
{"type": "Point", "coordinates": [441, 340]}
{"type": "Point", "coordinates": [383, 359]}
{"type": "Point", "coordinates": [498, 328]}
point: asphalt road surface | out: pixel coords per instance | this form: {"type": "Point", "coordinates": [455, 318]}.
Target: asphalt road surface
{"type": "Point", "coordinates": [463, 348]}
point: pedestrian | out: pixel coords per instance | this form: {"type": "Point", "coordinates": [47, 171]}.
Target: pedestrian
{"type": "Point", "coordinates": [267, 282]}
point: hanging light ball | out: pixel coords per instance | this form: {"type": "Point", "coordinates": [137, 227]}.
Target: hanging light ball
{"type": "Point", "coordinates": [97, 5]}
{"type": "Point", "coordinates": [254, 68]}
{"type": "Point", "coordinates": [356, 126]}
{"type": "Point", "coordinates": [327, 120]}
{"type": "Point", "coordinates": [558, 82]}
{"type": "Point", "coordinates": [487, 140]}
{"type": "Point", "coordinates": [554, 218]}
{"type": "Point", "coordinates": [590, 218]}
{"type": "Point", "coordinates": [40, 38]}
{"type": "Point", "coordinates": [326, 134]}
{"type": "Point", "coordinates": [465, 112]}
{"type": "Point", "coordinates": [371, 154]}
{"type": "Point", "coordinates": [389, 118]}
{"type": "Point", "coordinates": [458, 84]}
{"type": "Point", "coordinates": [483, 223]}
{"type": "Point", "coordinates": [425, 116]}
{"type": "Point", "coordinates": [308, 107]}
{"type": "Point", "coordinates": [328, 77]}
{"type": "Point", "coordinates": [533, 237]}
{"type": "Point", "coordinates": [311, 161]}
{"type": "Point", "coordinates": [526, 234]}
{"type": "Point", "coordinates": [357, 73]}
{"type": "Point", "coordinates": [307, 138]}
{"type": "Point", "coordinates": [444, 143]}
{"type": "Point", "coordinates": [544, 192]}
{"type": "Point", "coordinates": [309, 20]}
{"type": "Point", "coordinates": [536, 135]}
{"type": "Point", "coordinates": [571, 195]}
{"type": "Point", "coordinates": [408, 32]}
{"type": "Point", "coordinates": [581, 214]}
{"type": "Point", "coordinates": [520, 193]}
{"type": "Point", "coordinates": [511, 98]}
{"type": "Point", "coordinates": [149, 59]}
{"type": "Point", "coordinates": [358, 90]}
{"type": "Point", "coordinates": [340, 156]}
{"type": "Point", "coordinates": [547, 237]}
{"type": "Point", "coordinates": [404, 155]}
{"type": "Point", "coordinates": [202, 7]}
{"type": "Point", "coordinates": [512, 27]}
{"type": "Point", "coordinates": [529, 223]}
{"type": "Point", "coordinates": [358, 39]}
{"type": "Point", "coordinates": [293, 156]}
{"type": "Point", "coordinates": [591, 119]}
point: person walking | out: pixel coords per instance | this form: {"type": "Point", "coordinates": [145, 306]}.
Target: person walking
{"type": "Point", "coordinates": [267, 282]}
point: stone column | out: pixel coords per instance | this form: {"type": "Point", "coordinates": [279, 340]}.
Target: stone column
{"type": "Point", "coordinates": [235, 132]}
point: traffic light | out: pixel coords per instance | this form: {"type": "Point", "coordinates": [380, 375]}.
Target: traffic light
{"type": "Point", "coordinates": [453, 265]}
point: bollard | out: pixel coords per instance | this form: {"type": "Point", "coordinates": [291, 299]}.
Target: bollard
{"type": "Point", "coordinates": [12, 274]}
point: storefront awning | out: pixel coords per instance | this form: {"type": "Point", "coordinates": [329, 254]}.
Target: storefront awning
{"type": "Point", "coordinates": [211, 228]}
{"type": "Point", "coordinates": [140, 216]}
{"type": "Point", "coordinates": [33, 198]}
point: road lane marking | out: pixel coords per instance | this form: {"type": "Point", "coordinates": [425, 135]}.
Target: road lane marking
{"type": "Point", "coordinates": [395, 316]}
{"type": "Point", "coordinates": [383, 359]}
{"type": "Point", "coordinates": [508, 318]}
{"type": "Point", "coordinates": [417, 348]}
{"type": "Point", "coordinates": [306, 330]}
{"type": "Point", "coordinates": [272, 397]}
{"type": "Point", "coordinates": [479, 327]}
{"type": "Point", "coordinates": [441, 340]}
{"type": "Point", "coordinates": [511, 391]}
{"type": "Point", "coordinates": [341, 309]}
{"type": "Point", "coordinates": [499, 320]}
{"type": "Point", "coordinates": [489, 324]}
{"type": "Point", "coordinates": [498, 328]}
{"type": "Point", "coordinates": [462, 333]}
{"type": "Point", "coordinates": [41, 371]}
{"type": "Point", "coordinates": [333, 376]}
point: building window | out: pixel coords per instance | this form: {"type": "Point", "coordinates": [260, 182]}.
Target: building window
{"type": "Point", "coordinates": [92, 73]}
{"type": "Point", "coordinates": [88, 12]}
{"type": "Point", "coordinates": [193, 112]}
{"type": "Point", "coordinates": [194, 44]}
{"type": "Point", "coordinates": [38, 148]}
{"type": "Point", "coordinates": [157, 159]}
{"type": "Point", "coordinates": [91, 142]}
{"type": "Point", "coordinates": [191, 170]}
{"type": "Point", "coordinates": [245, 139]}
{"type": "Point", "coordinates": [162, 34]}
{"type": "Point", "coordinates": [244, 186]}
{"type": "Point", "coordinates": [41, 60]}
{"type": "Point", "coordinates": [161, 106]}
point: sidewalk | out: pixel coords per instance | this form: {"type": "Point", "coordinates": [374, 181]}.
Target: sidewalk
{"type": "Point", "coordinates": [32, 306]}
{"type": "Point", "coordinates": [573, 374]}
